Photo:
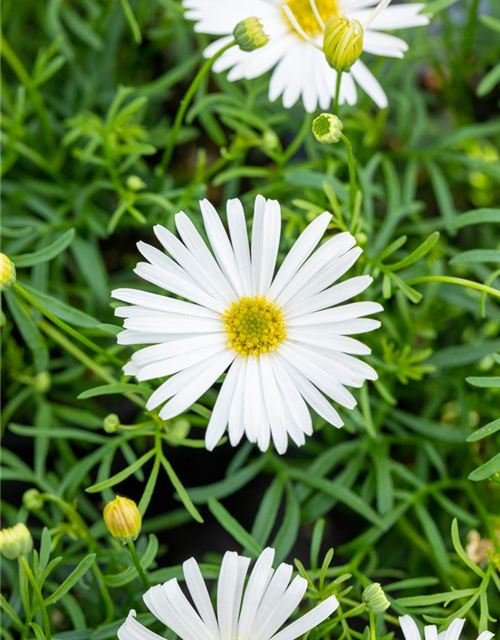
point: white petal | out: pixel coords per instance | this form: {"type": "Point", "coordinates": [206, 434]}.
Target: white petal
{"type": "Point", "coordinates": [284, 608]}
{"type": "Point", "coordinates": [143, 337]}
{"type": "Point", "coordinates": [174, 324]}
{"type": "Point", "coordinates": [162, 303]}
{"type": "Point", "coordinates": [239, 239]}
{"type": "Point", "coordinates": [486, 635]}
{"type": "Point", "coordinates": [252, 406]}
{"type": "Point", "coordinates": [332, 296]}
{"type": "Point", "coordinates": [158, 352]}
{"type": "Point", "coordinates": [199, 593]}
{"type": "Point", "coordinates": [221, 245]}
{"type": "Point", "coordinates": [274, 592]}
{"type": "Point", "coordinates": [431, 632]}
{"type": "Point", "coordinates": [257, 585]}
{"type": "Point", "coordinates": [409, 628]}
{"type": "Point", "coordinates": [455, 629]}
{"type": "Point", "coordinates": [131, 629]}
{"type": "Point", "coordinates": [169, 366]}
{"type": "Point", "coordinates": [228, 595]}
{"type": "Point", "coordinates": [272, 399]}
{"type": "Point", "coordinates": [236, 422]}
{"type": "Point", "coordinates": [326, 340]}
{"type": "Point", "coordinates": [185, 398]}
{"type": "Point", "coordinates": [315, 398]}
{"type": "Point", "coordinates": [342, 313]}
{"type": "Point", "coordinates": [383, 44]}
{"type": "Point", "coordinates": [270, 243]}
{"type": "Point", "coordinates": [349, 327]}
{"type": "Point", "coordinates": [330, 362]}
{"type": "Point", "coordinates": [294, 400]}
{"type": "Point", "coordinates": [403, 16]}
{"type": "Point", "coordinates": [220, 414]}
{"type": "Point", "coordinates": [257, 242]}
{"type": "Point", "coordinates": [298, 254]}
{"type": "Point", "coordinates": [309, 620]}
{"type": "Point", "coordinates": [367, 81]}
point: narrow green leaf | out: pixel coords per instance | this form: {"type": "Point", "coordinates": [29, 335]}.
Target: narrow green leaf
{"type": "Point", "coordinates": [122, 475]}
{"type": "Point", "coordinates": [234, 528]}
{"type": "Point", "coordinates": [118, 387]}
{"type": "Point", "coordinates": [181, 490]}
{"type": "Point", "coordinates": [74, 577]}
{"type": "Point", "coordinates": [486, 470]}
{"type": "Point", "coordinates": [47, 253]}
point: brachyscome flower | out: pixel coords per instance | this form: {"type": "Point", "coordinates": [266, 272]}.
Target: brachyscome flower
{"type": "Point", "coordinates": [302, 70]}
{"type": "Point", "coordinates": [256, 612]}
{"type": "Point", "coordinates": [284, 337]}
{"type": "Point", "coordinates": [411, 632]}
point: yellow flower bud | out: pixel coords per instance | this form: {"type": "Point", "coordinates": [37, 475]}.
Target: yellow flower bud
{"type": "Point", "coordinates": [7, 272]}
{"type": "Point", "coordinates": [375, 599]}
{"type": "Point", "coordinates": [15, 541]}
{"type": "Point", "coordinates": [123, 519]}
{"type": "Point", "coordinates": [343, 42]}
{"type": "Point", "coordinates": [327, 128]}
{"type": "Point", "coordinates": [249, 34]}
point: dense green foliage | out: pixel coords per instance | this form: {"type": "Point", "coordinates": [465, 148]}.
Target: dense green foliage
{"type": "Point", "coordinates": [90, 91]}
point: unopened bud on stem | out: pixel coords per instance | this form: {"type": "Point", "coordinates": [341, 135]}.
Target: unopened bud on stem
{"type": "Point", "coordinates": [249, 34]}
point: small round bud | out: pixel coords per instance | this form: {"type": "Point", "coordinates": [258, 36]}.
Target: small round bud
{"type": "Point", "coordinates": [33, 500]}
{"type": "Point", "coordinates": [343, 42]}
{"type": "Point", "coordinates": [134, 183]}
{"type": "Point", "coordinates": [7, 272]}
{"type": "Point", "coordinates": [42, 382]}
{"type": "Point", "coordinates": [123, 519]}
{"type": "Point", "coordinates": [15, 541]}
{"type": "Point", "coordinates": [249, 34]}
{"type": "Point", "coordinates": [375, 599]}
{"type": "Point", "coordinates": [327, 128]}
{"type": "Point", "coordinates": [111, 423]}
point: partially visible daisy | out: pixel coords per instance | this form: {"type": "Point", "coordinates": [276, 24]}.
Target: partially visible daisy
{"type": "Point", "coordinates": [411, 632]}
{"type": "Point", "coordinates": [256, 612]}
{"type": "Point", "coordinates": [284, 338]}
{"type": "Point", "coordinates": [300, 69]}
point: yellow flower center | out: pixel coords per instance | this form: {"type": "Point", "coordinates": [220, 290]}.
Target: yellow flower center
{"type": "Point", "coordinates": [304, 14]}
{"type": "Point", "coordinates": [254, 325]}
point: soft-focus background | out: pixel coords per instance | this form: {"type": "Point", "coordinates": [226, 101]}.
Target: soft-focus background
{"type": "Point", "coordinates": [89, 92]}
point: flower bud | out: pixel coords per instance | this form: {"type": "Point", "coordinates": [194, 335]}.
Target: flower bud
{"type": "Point", "coordinates": [123, 519]}
{"type": "Point", "coordinates": [249, 34]}
{"type": "Point", "coordinates": [33, 500]}
{"type": "Point", "coordinates": [111, 423]}
{"type": "Point", "coordinates": [15, 541]}
{"type": "Point", "coordinates": [134, 183]}
{"type": "Point", "coordinates": [7, 272]}
{"type": "Point", "coordinates": [343, 42]}
{"type": "Point", "coordinates": [374, 598]}
{"type": "Point", "coordinates": [327, 128]}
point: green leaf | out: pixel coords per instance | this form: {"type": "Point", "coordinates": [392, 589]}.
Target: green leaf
{"type": "Point", "coordinates": [117, 387]}
{"type": "Point", "coordinates": [287, 533]}
{"type": "Point", "coordinates": [478, 216]}
{"type": "Point", "coordinates": [489, 82]}
{"type": "Point", "coordinates": [486, 470]}
{"type": "Point", "coordinates": [228, 486]}
{"type": "Point", "coordinates": [47, 253]}
{"type": "Point", "coordinates": [436, 598]}
{"type": "Point", "coordinates": [91, 266]}
{"type": "Point", "coordinates": [62, 310]}
{"type": "Point", "coordinates": [29, 331]}
{"type": "Point", "coordinates": [419, 253]}
{"type": "Point", "coordinates": [122, 475]}
{"type": "Point", "coordinates": [434, 537]}
{"type": "Point", "coordinates": [234, 528]}
{"type": "Point", "coordinates": [268, 511]}
{"type": "Point", "coordinates": [182, 493]}
{"type": "Point", "coordinates": [476, 256]}
{"type": "Point", "coordinates": [74, 577]}
{"type": "Point", "coordinates": [484, 432]}
{"type": "Point", "coordinates": [443, 194]}
{"type": "Point", "coordinates": [460, 551]}
{"type": "Point", "coordinates": [484, 382]}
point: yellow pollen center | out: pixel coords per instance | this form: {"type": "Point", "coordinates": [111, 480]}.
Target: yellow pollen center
{"type": "Point", "coordinates": [303, 12]}
{"type": "Point", "coordinates": [254, 326]}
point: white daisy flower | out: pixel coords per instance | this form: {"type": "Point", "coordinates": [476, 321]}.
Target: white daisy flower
{"type": "Point", "coordinates": [284, 337]}
{"type": "Point", "coordinates": [302, 70]}
{"type": "Point", "coordinates": [411, 632]}
{"type": "Point", "coordinates": [256, 612]}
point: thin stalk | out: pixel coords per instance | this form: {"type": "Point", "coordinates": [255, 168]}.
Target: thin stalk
{"type": "Point", "coordinates": [38, 596]}
{"type": "Point", "coordinates": [337, 94]}
{"type": "Point", "coordinates": [185, 102]}
{"type": "Point", "coordinates": [65, 327]}
{"type": "Point", "coordinates": [138, 566]}
{"type": "Point", "coordinates": [460, 281]}
{"type": "Point", "coordinates": [373, 633]}
{"type": "Point", "coordinates": [294, 146]}
{"type": "Point", "coordinates": [352, 171]}
{"type": "Point", "coordinates": [61, 339]}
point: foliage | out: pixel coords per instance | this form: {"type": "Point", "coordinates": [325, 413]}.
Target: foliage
{"type": "Point", "coordinates": [90, 93]}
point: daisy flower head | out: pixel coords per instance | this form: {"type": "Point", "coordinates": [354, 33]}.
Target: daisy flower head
{"type": "Point", "coordinates": [255, 612]}
{"type": "Point", "coordinates": [283, 338]}
{"type": "Point", "coordinates": [302, 70]}
{"type": "Point", "coordinates": [411, 632]}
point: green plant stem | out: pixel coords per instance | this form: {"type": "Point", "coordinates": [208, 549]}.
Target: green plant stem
{"type": "Point", "coordinates": [179, 118]}
{"type": "Point", "coordinates": [138, 566]}
{"type": "Point", "coordinates": [38, 596]}
{"type": "Point", "coordinates": [296, 143]}
{"type": "Point", "coordinates": [336, 100]}
{"type": "Point", "coordinates": [373, 633]}
{"type": "Point", "coordinates": [352, 171]}
{"type": "Point", "coordinates": [460, 281]}
{"type": "Point", "coordinates": [65, 327]}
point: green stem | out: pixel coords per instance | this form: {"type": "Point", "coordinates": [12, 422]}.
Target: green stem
{"type": "Point", "coordinates": [337, 94]}
{"type": "Point", "coordinates": [294, 146]}
{"type": "Point", "coordinates": [167, 155]}
{"type": "Point", "coordinates": [460, 281]}
{"type": "Point", "coordinates": [138, 566]}
{"type": "Point", "coordinates": [373, 633]}
{"type": "Point", "coordinates": [65, 327]}
{"type": "Point", "coordinates": [38, 596]}
{"type": "Point", "coordinates": [61, 339]}
{"type": "Point", "coordinates": [352, 171]}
